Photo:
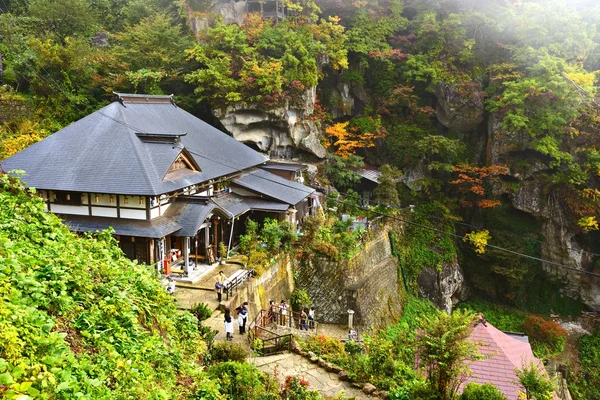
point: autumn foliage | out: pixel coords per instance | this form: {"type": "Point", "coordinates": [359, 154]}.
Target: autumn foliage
{"type": "Point", "coordinates": [472, 179]}
{"type": "Point", "coordinates": [347, 137]}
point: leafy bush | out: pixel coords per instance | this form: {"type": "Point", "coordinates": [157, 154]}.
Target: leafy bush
{"type": "Point", "coordinates": [585, 384]}
{"type": "Point", "coordinates": [243, 381]}
{"type": "Point", "coordinates": [326, 249]}
{"type": "Point", "coordinates": [487, 391]}
{"type": "Point", "coordinates": [503, 318]}
{"type": "Point", "coordinates": [297, 389]}
{"type": "Point", "coordinates": [299, 299]}
{"type": "Point", "coordinates": [536, 382]}
{"type": "Point", "coordinates": [547, 336]}
{"type": "Point", "coordinates": [79, 319]}
{"type": "Point", "coordinates": [323, 345]}
{"type": "Point", "coordinates": [201, 311]}
{"type": "Point", "coordinates": [228, 351]}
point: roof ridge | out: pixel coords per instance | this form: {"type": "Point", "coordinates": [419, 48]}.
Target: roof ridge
{"type": "Point", "coordinates": [136, 144]}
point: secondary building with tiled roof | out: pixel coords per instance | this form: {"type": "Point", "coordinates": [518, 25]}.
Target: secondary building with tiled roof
{"type": "Point", "coordinates": [155, 173]}
{"type": "Point", "coordinates": [503, 353]}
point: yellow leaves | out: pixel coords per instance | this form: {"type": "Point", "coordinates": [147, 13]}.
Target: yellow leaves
{"type": "Point", "coordinates": [349, 140]}
{"type": "Point", "coordinates": [25, 134]}
{"type": "Point", "coordinates": [592, 194]}
{"type": "Point", "coordinates": [588, 223]}
{"type": "Point", "coordinates": [584, 79]}
{"type": "Point", "coordinates": [478, 239]}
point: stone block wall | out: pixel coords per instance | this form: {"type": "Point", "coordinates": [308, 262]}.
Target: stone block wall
{"type": "Point", "coordinates": [276, 283]}
{"type": "Point", "coordinates": [11, 108]}
{"type": "Point", "coordinates": [361, 284]}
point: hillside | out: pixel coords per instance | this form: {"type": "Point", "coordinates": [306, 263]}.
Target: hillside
{"type": "Point", "coordinates": [79, 320]}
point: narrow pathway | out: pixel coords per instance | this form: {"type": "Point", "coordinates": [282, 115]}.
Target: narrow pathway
{"type": "Point", "coordinates": [290, 364]}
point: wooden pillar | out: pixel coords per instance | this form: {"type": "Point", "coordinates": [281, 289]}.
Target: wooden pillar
{"type": "Point", "coordinates": [215, 236]}
{"type": "Point", "coordinates": [186, 255]}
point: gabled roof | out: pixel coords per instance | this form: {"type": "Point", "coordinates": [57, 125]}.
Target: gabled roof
{"type": "Point", "coordinates": [270, 185]}
{"type": "Point", "coordinates": [238, 205]}
{"type": "Point", "coordinates": [503, 354]}
{"type": "Point", "coordinates": [190, 214]}
{"type": "Point", "coordinates": [278, 166]}
{"type": "Point", "coordinates": [102, 153]}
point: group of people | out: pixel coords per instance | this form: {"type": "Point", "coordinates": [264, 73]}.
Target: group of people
{"type": "Point", "coordinates": [279, 314]}
{"type": "Point", "coordinates": [242, 320]}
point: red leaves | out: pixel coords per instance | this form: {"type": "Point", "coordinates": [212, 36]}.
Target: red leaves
{"type": "Point", "coordinates": [472, 179]}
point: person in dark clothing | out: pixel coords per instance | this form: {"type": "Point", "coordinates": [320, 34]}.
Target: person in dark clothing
{"type": "Point", "coordinates": [228, 325]}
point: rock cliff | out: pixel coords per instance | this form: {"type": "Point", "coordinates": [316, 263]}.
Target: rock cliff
{"type": "Point", "coordinates": [281, 132]}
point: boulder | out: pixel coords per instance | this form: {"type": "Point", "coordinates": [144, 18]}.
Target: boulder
{"type": "Point", "coordinates": [336, 369]}
{"type": "Point", "coordinates": [343, 375]}
{"type": "Point", "coordinates": [460, 109]}
{"type": "Point", "coordinates": [321, 362]}
{"type": "Point", "coordinates": [369, 388]}
{"type": "Point", "coordinates": [444, 287]}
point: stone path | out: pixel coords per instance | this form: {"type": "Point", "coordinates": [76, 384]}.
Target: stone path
{"type": "Point", "coordinates": [290, 364]}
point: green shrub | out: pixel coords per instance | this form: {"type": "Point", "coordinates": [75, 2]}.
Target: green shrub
{"type": "Point", "coordinates": [585, 384]}
{"type": "Point", "coordinates": [243, 381]}
{"type": "Point", "coordinates": [300, 299]}
{"type": "Point", "coordinates": [352, 347]}
{"type": "Point", "coordinates": [324, 345]}
{"type": "Point", "coordinates": [201, 311]}
{"type": "Point", "coordinates": [503, 318]}
{"type": "Point", "coordinates": [228, 351]}
{"type": "Point", "coordinates": [487, 391]}
{"type": "Point", "coordinates": [547, 336]}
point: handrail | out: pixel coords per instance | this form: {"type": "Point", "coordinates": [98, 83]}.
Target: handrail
{"type": "Point", "coordinates": [237, 282]}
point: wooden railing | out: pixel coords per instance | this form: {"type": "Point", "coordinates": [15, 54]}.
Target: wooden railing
{"type": "Point", "coordinates": [266, 323]}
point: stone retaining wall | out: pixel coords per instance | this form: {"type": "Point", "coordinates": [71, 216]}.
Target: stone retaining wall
{"type": "Point", "coordinates": [362, 284]}
{"type": "Point", "coordinates": [276, 283]}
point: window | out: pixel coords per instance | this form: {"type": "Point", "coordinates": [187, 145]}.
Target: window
{"type": "Point", "coordinates": [67, 198]}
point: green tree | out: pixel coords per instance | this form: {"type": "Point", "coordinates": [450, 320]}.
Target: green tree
{"type": "Point", "coordinates": [535, 381]}
{"type": "Point", "coordinates": [386, 191]}
{"type": "Point", "coordinates": [342, 171]}
{"type": "Point", "coordinates": [444, 351]}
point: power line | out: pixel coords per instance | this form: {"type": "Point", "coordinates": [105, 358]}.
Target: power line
{"type": "Point", "coordinates": [440, 218]}
{"type": "Point", "coordinates": [460, 237]}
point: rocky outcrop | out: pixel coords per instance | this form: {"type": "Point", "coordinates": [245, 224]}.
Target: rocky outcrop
{"type": "Point", "coordinates": [560, 245]}
{"type": "Point", "coordinates": [279, 131]}
{"type": "Point", "coordinates": [444, 287]}
{"type": "Point", "coordinates": [460, 110]}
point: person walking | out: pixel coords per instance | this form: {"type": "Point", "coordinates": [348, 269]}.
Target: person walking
{"type": "Point", "coordinates": [303, 319]}
{"type": "Point", "coordinates": [283, 312]}
{"type": "Point", "coordinates": [228, 322]}
{"type": "Point", "coordinates": [311, 318]}
{"type": "Point", "coordinates": [242, 317]}
{"type": "Point", "coordinates": [220, 279]}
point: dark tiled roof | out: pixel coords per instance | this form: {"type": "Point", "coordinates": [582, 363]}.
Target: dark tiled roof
{"type": "Point", "coordinates": [283, 166]}
{"type": "Point", "coordinates": [265, 183]}
{"type": "Point", "coordinates": [189, 214]}
{"type": "Point", "coordinates": [101, 152]}
{"type": "Point", "coordinates": [237, 205]}
{"type": "Point", "coordinates": [157, 228]}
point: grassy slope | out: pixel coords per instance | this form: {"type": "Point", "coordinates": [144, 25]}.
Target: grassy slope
{"type": "Point", "coordinates": [79, 320]}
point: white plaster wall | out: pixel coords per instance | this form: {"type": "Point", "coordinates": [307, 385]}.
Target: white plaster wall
{"type": "Point", "coordinates": [132, 214]}
{"type": "Point", "coordinates": [73, 210]}
{"type": "Point", "coordinates": [103, 212]}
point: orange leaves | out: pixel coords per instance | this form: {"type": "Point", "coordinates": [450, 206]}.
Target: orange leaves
{"type": "Point", "coordinates": [472, 179]}
{"type": "Point", "coordinates": [350, 138]}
